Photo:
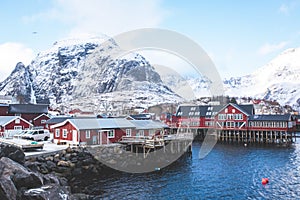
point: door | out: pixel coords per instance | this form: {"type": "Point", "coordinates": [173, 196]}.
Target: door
{"type": "Point", "coordinates": [74, 136]}
{"type": "Point", "coordinates": [100, 137]}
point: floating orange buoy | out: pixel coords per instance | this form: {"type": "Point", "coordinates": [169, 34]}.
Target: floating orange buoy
{"type": "Point", "coordinates": [264, 181]}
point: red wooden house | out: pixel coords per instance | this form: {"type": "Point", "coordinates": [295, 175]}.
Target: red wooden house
{"type": "Point", "coordinates": [27, 111]}
{"type": "Point", "coordinates": [12, 124]}
{"type": "Point", "coordinates": [40, 121]}
{"type": "Point", "coordinates": [284, 122]}
{"type": "Point", "coordinates": [195, 117]}
{"type": "Point", "coordinates": [92, 130]}
{"type": "Point", "coordinates": [207, 116]}
{"type": "Point", "coordinates": [148, 128]}
{"type": "Point", "coordinates": [3, 109]}
{"type": "Point", "coordinates": [233, 117]}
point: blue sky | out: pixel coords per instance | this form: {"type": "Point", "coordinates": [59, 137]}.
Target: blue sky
{"type": "Point", "coordinates": [239, 36]}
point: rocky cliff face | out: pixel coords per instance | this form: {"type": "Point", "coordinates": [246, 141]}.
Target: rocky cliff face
{"type": "Point", "coordinates": [75, 71]}
{"type": "Point", "coordinates": [18, 84]}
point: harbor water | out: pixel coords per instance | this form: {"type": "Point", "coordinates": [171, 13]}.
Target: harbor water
{"type": "Point", "coordinates": [229, 171]}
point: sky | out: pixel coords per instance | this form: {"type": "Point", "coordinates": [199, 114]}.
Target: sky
{"type": "Point", "coordinates": [239, 36]}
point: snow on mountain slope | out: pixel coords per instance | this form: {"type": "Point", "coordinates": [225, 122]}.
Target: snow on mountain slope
{"type": "Point", "coordinates": [79, 72]}
{"type": "Point", "coordinates": [83, 72]}
{"type": "Point", "coordinates": [186, 86]}
{"type": "Point", "coordinates": [18, 84]}
{"type": "Point", "coordinates": [278, 80]}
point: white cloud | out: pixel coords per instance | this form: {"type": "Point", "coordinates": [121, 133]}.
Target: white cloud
{"type": "Point", "coordinates": [284, 9]}
{"type": "Point", "coordinates": [289, 7]}
{"type": "Point", "coordinates": [109, 17]}
{"type": "Point", "coordinates": [269, 48]}
{"type": "Point", "coordinates": [11, 54]}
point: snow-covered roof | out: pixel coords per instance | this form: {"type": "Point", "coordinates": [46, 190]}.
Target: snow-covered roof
{"type": "Point", "coordinates": [28, 108]}
{"type": "Point", "coordinates": [96, 123]}
{"type": "Point", "coordinates": [148, 124]}
{"type": "Point", "coordinates": [4, 120]}
{"type": "Point", "coordinates": [285, 117]}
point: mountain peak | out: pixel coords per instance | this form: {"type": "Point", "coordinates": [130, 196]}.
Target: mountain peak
{"type": "Point", "coordinates": [81, 40]}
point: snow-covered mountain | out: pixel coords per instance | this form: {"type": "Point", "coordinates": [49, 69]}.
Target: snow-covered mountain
{"type": "Point", "coordinates": [18, 84]}
{"type": "Point", "coordinates": [83, 72]}
{"type": "Point", "coordinates": [278, 80]}
{"type": "Point", "coordinates": [187, 86]}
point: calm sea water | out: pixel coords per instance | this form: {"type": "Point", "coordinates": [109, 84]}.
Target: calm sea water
{"type": "Point", "coordinates": [228, 172]}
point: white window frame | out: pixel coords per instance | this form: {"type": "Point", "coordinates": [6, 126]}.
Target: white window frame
{"type": "Point", "coordinates": [17, 121]}
{"type": "Point", "coordinates": [17, 127]}
{"type": "Point", "coordinates": [57, 132]}
{"type": "Point", "coordinates": [128, 132]}
{"type": "Point", "coordinates": [151, 132]}
{"type": "Point", "coordinates": [111, 134]}
{"type": "Point", "coordinates": [141, 133]}
{"type": "Point", "coordinates": [87, 134]}
{"type": "Point", "coordinates": [64, 133]}
{"type": "Point", "coordinates": [43, 121]}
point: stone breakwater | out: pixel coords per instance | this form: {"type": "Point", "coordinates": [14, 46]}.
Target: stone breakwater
{"type": "Point", "coordinates": [64, 175]}
{"type": "Point", "coordinates": [71, 173]}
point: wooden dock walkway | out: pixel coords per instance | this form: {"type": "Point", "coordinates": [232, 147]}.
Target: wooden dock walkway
{"type": "Point", "coordinates": [147, 144]}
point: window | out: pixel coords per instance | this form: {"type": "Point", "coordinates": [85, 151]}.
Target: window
{"type": "Point", "coordinates": [128, 132]}
{"type": "Point", "coordinates": [230, 124]}
{"type": "Point", "coordinates": [65, 133]}
{"type": "Point", "coordinates": [111, 134]}
{"type": "Point", "coordinates": [18, 127]}
{"type": "Point", "coordinates": [141, 133]}
{"type": "Point", "coordinates": [193, 108]}
{"type": "Point", "coordinates": [43, 121]}
{"type": "Point", "coordinates": [57, 132]}
{"type": "Point", "coordinates": [87, 134]}
{"type": "Point", "coordinates": [229, 116]}
{"type": "Point", "coordinates": [151, 132]}
{"type": "Point", "coordinates": [221, 116]}
{"type": "Point", "coordinates": [17, 121]}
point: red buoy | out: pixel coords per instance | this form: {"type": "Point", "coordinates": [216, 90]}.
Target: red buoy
{"type": "Point", "coordinates": [264, 181]}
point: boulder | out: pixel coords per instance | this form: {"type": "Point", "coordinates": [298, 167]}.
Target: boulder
{"type": "Point", "coordinates": [12, 152]}
{"type": "Point", "coordinates": [52, 191]}
{"type": "Point", "coordinates": [19, 175]}
{"type": "Point", "coordinates": [7, 188]}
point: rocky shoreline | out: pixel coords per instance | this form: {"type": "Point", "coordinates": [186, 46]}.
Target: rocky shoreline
{"type": "Point", "coordinates": [53, 176]}
{"type": "Point", "coordinates": [73, 172]}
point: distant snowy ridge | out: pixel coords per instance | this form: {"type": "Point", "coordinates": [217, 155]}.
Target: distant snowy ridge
{"type": "Point", "coordinates": [83, 72]}
{"type": "Point", "coordinates": [278, 80]}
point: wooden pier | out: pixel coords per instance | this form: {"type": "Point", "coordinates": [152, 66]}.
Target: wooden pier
{"type": "Point", "coordinates": [245, 136]}
{"type": "Point", "coordinates": [176, 143]}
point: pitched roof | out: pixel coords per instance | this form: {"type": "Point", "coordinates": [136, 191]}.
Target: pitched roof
{"type": "Point", "coordinates": [43, 114]}
{"type": "Point", "coordinates": [57, 119]}
{"type": "Point", "coordinates": [248, 108]}
{"type": "Point", "coordinates": [96, 123]}
{"type": "Point", "coordinates": [198, 111]}
{"type": "Point", "coordinates": [285, 117]}
{"type": "Point", "coordinates": [28, 108]}
{"type": "Point", "coordinates": [143, 116]}
{"type": "Point", "coordinates": [4, 120]}
{"type": "Point", "coordinates": [148, 124]}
